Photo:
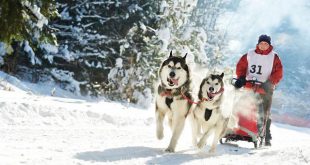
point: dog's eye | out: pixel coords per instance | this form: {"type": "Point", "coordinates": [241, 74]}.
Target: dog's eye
{"type": "Point", "coordinates": [169, 66]}
{"type": "Point", "coordinates": [208, 82]}
{"type": "Point", "coordinates": [178, 67]}
{"type": "Point", "coordinates": [216, 83]}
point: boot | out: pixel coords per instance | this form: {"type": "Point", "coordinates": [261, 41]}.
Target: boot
{"type": "Point", "coordinates": [267, 143]}
{"type": "Point", "coordinates": [268, 134]}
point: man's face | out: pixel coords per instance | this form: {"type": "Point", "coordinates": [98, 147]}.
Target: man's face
{"type": "Point", "coordinates": [263, 45]}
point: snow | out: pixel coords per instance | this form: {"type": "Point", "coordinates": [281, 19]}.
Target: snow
{"type": "Point", "coordinates": [33, 59]}
{"type": "Point", "coordinates": [2, 49]}
{"type": "Point", "coordinates": [40, 129]}
{"type": "Point", "coordinates": [65, 14]}
{"type": "Point", "coordinates": [164, 35]}
{"type": "Point", "coordinates": [119, 63]}
{"type": "Point", "coordinates": [133, 8]}
{"type": "Point", "coordinates": [66, 76]}
{"type": "Point", "coordinates": [41, 20]}
{"type": "Point", "coordinates": [50, 49]}
{"type": "Point", "coordinates": [66, 54]}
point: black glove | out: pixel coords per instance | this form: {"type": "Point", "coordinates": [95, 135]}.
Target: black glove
{"type": "Point", "coordinates": [240, 82]}
{"type": "Point", "coordinates": [267, 86]}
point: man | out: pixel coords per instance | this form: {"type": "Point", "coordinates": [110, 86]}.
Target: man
{"type": "Point", "coordinates": [264, 65]}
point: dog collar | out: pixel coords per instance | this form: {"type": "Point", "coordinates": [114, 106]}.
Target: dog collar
{"type": "Point", "coordinates": [167, 92]}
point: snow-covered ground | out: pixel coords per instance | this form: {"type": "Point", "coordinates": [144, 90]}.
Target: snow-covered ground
{"type": "Point", "coordinates": [38, 130]}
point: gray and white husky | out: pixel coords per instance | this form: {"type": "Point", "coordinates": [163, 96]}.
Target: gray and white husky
{"type": "Point", "coordinates": [172, 97]}
{"type": "Point", "coordinates": [207, 117]}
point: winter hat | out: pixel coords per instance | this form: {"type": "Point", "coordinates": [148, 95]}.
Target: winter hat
{"type": "Point", "coordinates": [265, 38]}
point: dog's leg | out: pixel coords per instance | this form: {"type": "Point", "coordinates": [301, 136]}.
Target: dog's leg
{"type": "Point", "coordinates": [203, 140]}
{"type": "Point", "coordinates": [217, 134]}
{"type": "Point", "coordinates": [159, 123]}
{"type": "Point", "coordinates": [170, 123]}
{"type": "Point", "coordinates": [195, 127]}
{"type": "Point", "coordinates": [177, 126]}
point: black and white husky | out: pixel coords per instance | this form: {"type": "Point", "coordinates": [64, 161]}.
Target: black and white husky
{"type": "Point", "coordinates": [172, 97]}
{"type": "Point", "coordinates": [207, 117]}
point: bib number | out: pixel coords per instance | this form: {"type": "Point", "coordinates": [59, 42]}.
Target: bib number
{"type": "Point", "coordinates": [256, 67]}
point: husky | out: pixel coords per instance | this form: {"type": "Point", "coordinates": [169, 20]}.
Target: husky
{"type": "Point", "coordinates": [172, 97]}
{"type": "Point", "coordinates": [207, 115]}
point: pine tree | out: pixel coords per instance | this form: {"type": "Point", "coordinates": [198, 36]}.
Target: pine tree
{"type": "Point", "coordinates": [24, 27]}
{"type": "Point", "coordinates": [177, 32]}
{"type": "Point", "coordinates": [136, 74]}
{"type": "Point", "coordinates": [26, 20]}
{"type": "Point", "coordinates": [97, 35]}
{"type": "Point", "coordinates": [205, 17]}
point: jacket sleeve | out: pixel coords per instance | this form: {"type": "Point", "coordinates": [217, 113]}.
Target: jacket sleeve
{"type": "Point", "coordinates": [242, 66]}
{"type": "Point", "coordinates": [277, 71]}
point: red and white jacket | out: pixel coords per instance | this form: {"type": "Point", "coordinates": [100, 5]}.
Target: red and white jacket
{"type": "Point", "coordinates": [276, 71]}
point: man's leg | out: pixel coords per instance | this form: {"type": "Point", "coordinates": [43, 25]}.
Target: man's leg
{"type": "Point", "coordinates": [267, 99]}
{"type": "Point", "coordinates": [268, 134]}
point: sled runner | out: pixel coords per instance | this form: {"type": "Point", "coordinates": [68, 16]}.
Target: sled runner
{"type": "Point", "coordinates": [251, 126]}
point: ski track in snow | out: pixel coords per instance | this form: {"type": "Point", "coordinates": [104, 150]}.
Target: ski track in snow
{"type": "Point", "coordinates": [49, 130]}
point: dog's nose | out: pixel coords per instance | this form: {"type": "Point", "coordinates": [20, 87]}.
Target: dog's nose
{"type": "Point", "coordinates": [211, 89]}
{"type": "Point", "coordinates": [171, 74]}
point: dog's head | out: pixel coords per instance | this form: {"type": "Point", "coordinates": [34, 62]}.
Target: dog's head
{"type": "Point", "coordinates": [211, 86]}
{"type": "Point", "coordinates": [174, 72]}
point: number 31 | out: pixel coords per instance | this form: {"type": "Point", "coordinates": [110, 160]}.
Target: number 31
{"type": "Point", "coordinates": [253, 69]}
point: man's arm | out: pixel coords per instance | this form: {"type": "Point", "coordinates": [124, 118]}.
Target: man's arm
{"type": "Point", "coordinates": [242, 66]}
{"type": "Point", "coordinates": [277, 71]}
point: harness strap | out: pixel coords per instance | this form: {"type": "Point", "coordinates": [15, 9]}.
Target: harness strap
{"type": "Point", "coordinates": [189, 100]}
{"type": "Point", "coordinates": [169, 93]}
{"type": "Point", "coordinates": [166, 93]}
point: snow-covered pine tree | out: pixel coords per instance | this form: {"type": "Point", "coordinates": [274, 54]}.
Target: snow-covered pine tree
{"type": "Point", "coordinates": [172, 32]}
{"type": "Point", "coordinates": [108, 41]}
{"type": "Point", "coordinates": [135, 71]}
{"type": "Point", "coordinates": [24, 27]}
{"type": "Point", "coordinates": [133, 79]}
{"type": "Point", "coordinates": [205, 17]}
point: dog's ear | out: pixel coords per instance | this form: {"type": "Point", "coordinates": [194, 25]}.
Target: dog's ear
{"type": "Point", "coordinates": [170, 54]}
{"type": "Point", "coordinates": [222, 75]}
{"type": "Point", "coordinates": [185, 56]}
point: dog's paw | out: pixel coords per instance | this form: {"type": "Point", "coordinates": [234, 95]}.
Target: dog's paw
{"type": "Point", "coordinates": [169, 150]}
{"type": "Point", "coordinates": [194, 143]}
{"type": "Point", "coordinates": [201, 144]}
{"type": "Point", "coordinates": [160, 135]}
{"type": "Point", "coordinates": [212, 151]}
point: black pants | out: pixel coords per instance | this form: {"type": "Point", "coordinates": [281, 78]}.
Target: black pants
{"type": "Point", "coordinates": [265, 114]}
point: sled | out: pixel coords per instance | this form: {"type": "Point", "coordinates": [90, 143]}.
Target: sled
{"type": "Point", "coordinates": [248, 129]}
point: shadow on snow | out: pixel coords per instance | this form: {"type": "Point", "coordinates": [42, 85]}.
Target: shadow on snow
{"type": "Point", "coordinates": [156, 155]}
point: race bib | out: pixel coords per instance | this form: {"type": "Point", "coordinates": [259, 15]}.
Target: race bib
{"type": "Point", "coordinates": [259, 66]}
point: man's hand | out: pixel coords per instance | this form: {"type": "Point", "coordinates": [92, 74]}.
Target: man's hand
{"type": "Point", "coordinates": [240, 82]}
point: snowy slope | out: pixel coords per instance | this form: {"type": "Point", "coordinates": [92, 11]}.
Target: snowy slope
{"type": "Point", "coordinates": [52, 130]}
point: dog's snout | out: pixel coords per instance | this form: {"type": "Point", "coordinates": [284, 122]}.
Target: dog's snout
{"type": "Point", "coordinates": [211, 89]}
{"type": "Point", "coordinates": [171, 74]}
